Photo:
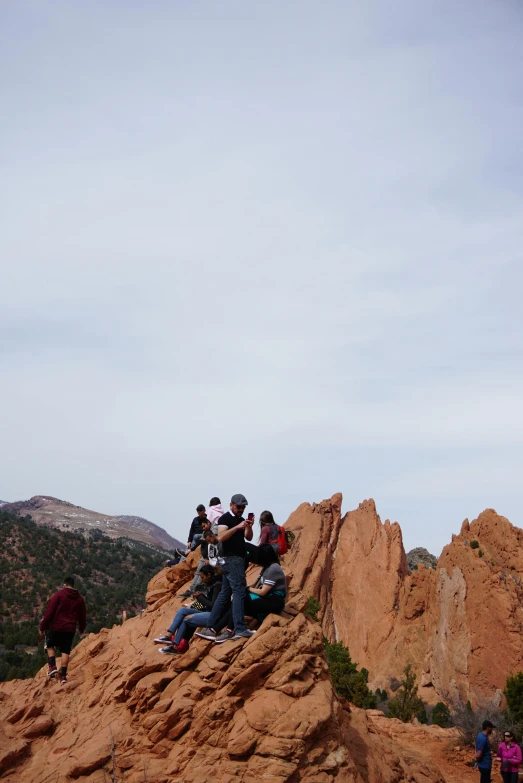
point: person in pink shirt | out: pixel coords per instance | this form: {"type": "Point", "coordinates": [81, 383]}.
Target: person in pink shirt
{"type": "Point", "coordinates": [509, 753]}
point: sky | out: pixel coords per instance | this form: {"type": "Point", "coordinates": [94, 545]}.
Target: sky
{"type": "Point", "coordinates": [267, 247]}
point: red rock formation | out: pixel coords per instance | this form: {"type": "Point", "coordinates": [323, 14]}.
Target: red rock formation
{"type": "Point", "coordinates": [261, 710]}
{"type": "Point", "coordinates": [459, 626]}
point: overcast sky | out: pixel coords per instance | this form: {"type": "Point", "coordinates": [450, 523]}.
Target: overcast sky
{"type": "Point", "coordinates": [263, 247]}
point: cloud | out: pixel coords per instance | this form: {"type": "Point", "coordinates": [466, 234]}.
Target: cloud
{"type": "Point", "coordinates": [280, 237]}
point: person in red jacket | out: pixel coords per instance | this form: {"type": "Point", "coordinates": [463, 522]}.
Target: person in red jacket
{"type": "Point", "coordinates": [65, 610]}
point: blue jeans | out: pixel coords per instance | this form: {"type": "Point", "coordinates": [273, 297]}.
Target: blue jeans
{"type": "Point", "coordinates": [190, 624]}
{"type": "Point", "coordinates": [195, 541]}
{"type": "Point", "coordinates": [233, 583]}
{"type": "Point", "coordinates": [179, 617]}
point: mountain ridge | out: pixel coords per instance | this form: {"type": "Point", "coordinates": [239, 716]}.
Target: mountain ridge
{"type": "Point", "coordinates": [63, 515]}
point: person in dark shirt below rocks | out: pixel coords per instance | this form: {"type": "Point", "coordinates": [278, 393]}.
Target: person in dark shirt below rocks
{"type": "Point", "coordinates": [65, 610]}
{"type": "Point", "coordinates": [233, 530]}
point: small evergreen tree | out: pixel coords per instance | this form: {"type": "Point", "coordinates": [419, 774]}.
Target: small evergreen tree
{"type": "Point", "coordinates": [346, 679]}
{"type": "Point", "coordinates": [406, 704]}
{"type": "Point", "coordinates": [312, 609]}
{"type": "Point", "coordinates": [514, 696]}
{"type": "Point", "coordinates": [441, 715]}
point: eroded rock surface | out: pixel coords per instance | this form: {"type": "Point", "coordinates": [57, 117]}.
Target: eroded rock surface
{"type": "Point", "coordinates": [260, 710]}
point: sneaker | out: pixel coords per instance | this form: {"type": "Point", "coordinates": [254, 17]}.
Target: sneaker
{"type": "Point", "coordinates": [171, 650]}
{"type": "Point", "coordinates": [187, 594]}
{"type": "Point", "coordinates": [224, 637]}
{"type": "Point", "coordinates": [63, 681]}
{"type": "Point", "coordinates": [165, 639]}
{"type": "Point", "coordinates": [244, 634]}
{"type": "Point", "coordinates": [179, 554]}
{"type": "Point", "coordinates": [207, 633]}
{"type": "Point", "coordinates": [53, 671]}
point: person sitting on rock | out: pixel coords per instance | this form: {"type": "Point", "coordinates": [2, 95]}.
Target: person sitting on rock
{"type": "Point", "coordinates": [196, 531]}
{"type": "Point", "coordinates": [266, 597]}
{"type": "Point", "coordinates": [65, 611]}
{"type": "Point", "coordinates": [205, 598]}
{"type": "Point", "coordinates": [214, 512]}
{"type": "Point", "coordinates": [208, 536]}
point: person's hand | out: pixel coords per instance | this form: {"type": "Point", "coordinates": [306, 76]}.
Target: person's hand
{"type": "Point", "coordinates": [41, 636]}
{"type": "Point", "coordinates": [241, 525]}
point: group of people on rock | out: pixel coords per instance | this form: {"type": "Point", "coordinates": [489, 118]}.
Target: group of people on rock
{"type": "Point", "coordinates": [220, 598]}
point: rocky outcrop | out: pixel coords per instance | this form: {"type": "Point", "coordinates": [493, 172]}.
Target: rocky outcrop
{"type": "Point", "coordinates": [459, 625]}
{"type": "Point", "coordinates": [421, 555]}
{"type": "Point", "coordinates": [261, 710]}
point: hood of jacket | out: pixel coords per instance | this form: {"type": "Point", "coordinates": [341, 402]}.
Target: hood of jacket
{"type": "Point", "coordinates": [214, 513]}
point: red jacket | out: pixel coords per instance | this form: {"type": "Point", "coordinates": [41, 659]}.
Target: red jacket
{"type": "Point", "coordinates": [65, 609]}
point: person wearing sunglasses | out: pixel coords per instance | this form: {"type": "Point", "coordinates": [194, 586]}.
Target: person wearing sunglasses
{"type": "Point", "coordinates": [509, 754]}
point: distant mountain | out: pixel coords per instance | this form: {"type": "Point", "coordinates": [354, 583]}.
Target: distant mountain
{"type": "Point", "coordinates": [60, 514]}
{"type": "Point", "coordinates": [2, 503]}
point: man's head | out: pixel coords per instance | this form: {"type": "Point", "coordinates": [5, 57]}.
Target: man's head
{"type": "Point", "coordinates": [207, 574]}
{"type": "Point", "coordinates": [214, 501]}
{"type": "Point", "coordinates": [69, 581]}
{"type": "Point", "coordinates": [487, 727]}
{"type": "Point", "coordinates": [210, 537]}
{"type": "Point", "coordinates": [200, 510]}
{"type": "Point", "coordinates": [238, 504]}
{"type": "Point", "coordinates": [206, 525]}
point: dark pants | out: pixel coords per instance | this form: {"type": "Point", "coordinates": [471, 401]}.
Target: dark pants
{"type": "Point", "coordinates": [234, 584]}
{"type": "Point", "coordinates": [484, 775]}
{"type": "Point", "coordinates": [509, 777]}
{"type": "Point", "coordinates": [258, 608]}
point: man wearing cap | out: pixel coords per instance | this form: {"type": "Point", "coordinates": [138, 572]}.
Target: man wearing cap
{"type": "Point", "coordinates": [483, 752]}
{"type": "Point", "coordinates": [233, 529]}
{"type": "Point", "coordinates": [196, 531]}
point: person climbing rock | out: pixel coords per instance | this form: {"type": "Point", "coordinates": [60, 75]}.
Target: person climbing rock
{"type": "Point", "coordinates": [64, 612]}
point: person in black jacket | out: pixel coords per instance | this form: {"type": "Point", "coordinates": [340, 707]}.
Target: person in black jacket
{"type": "Point", "coordinates": [205, 597]}
{"type": "Point", "coordinates": [196, 531]}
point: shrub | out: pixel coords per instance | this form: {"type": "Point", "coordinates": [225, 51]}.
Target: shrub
{"type": "Point", "coordinates": [441, 715]}
{"type": "Point", "coordinates": [480, 553]}
{"type": "Point", "coordinates": [406, 704]}
{"type": "Point", "coordinates": [474, 544]}
{"type": "Point", "coordinates": [468, 721]}
{"type": "Point", "coordinates": [514, 696]}
{"type": "Point", "coordinates": [346, 679]}
{"type": "Point", "coordinates": [312, 609]}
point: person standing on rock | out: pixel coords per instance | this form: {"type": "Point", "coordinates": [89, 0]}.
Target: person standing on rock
{"type": "Point", "coordinates": [509, 753]}
{"type": "Point", "coordinates": [65, 611]}
{"type": "Point", "coordinates": [483, 752]}
{"type": "Point", "coordinates": [233, 529]}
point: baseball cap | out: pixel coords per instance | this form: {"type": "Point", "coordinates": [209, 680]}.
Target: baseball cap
{"type": "Point", "coordinates": [487, 725]}
{"type": "Point", "coordinates": [239, 500]}
{"type": "Point", "coordinates": [200, 507]}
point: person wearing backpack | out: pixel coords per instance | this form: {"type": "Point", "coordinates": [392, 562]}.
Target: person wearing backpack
{"type": "Point", "coordinates": [273, 534]}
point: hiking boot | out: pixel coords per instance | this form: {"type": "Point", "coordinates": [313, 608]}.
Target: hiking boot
{"type": "Point", "coordinates": [207, 633]}
{"type": "Point", "coordinates": [244, 634]}
{"type": "Point", "coordinates": [187, 594]}
{"type": "Point", "coordinates": [224, 637]}
{"type": "Point", "coordinates": [63, 681]}
{"type": "Point", "coordinates": [53, 671]}
{"type": "Point", "coordinates": [171, 650]}
{"type": "Point", "coordinates": [165, 639]}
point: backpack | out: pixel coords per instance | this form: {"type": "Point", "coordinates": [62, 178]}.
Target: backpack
{"type": "Point", "coordinates": [278, 540]}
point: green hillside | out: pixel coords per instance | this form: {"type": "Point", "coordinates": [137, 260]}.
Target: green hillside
{"type": "Point", "coordinates": [34, 560]}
